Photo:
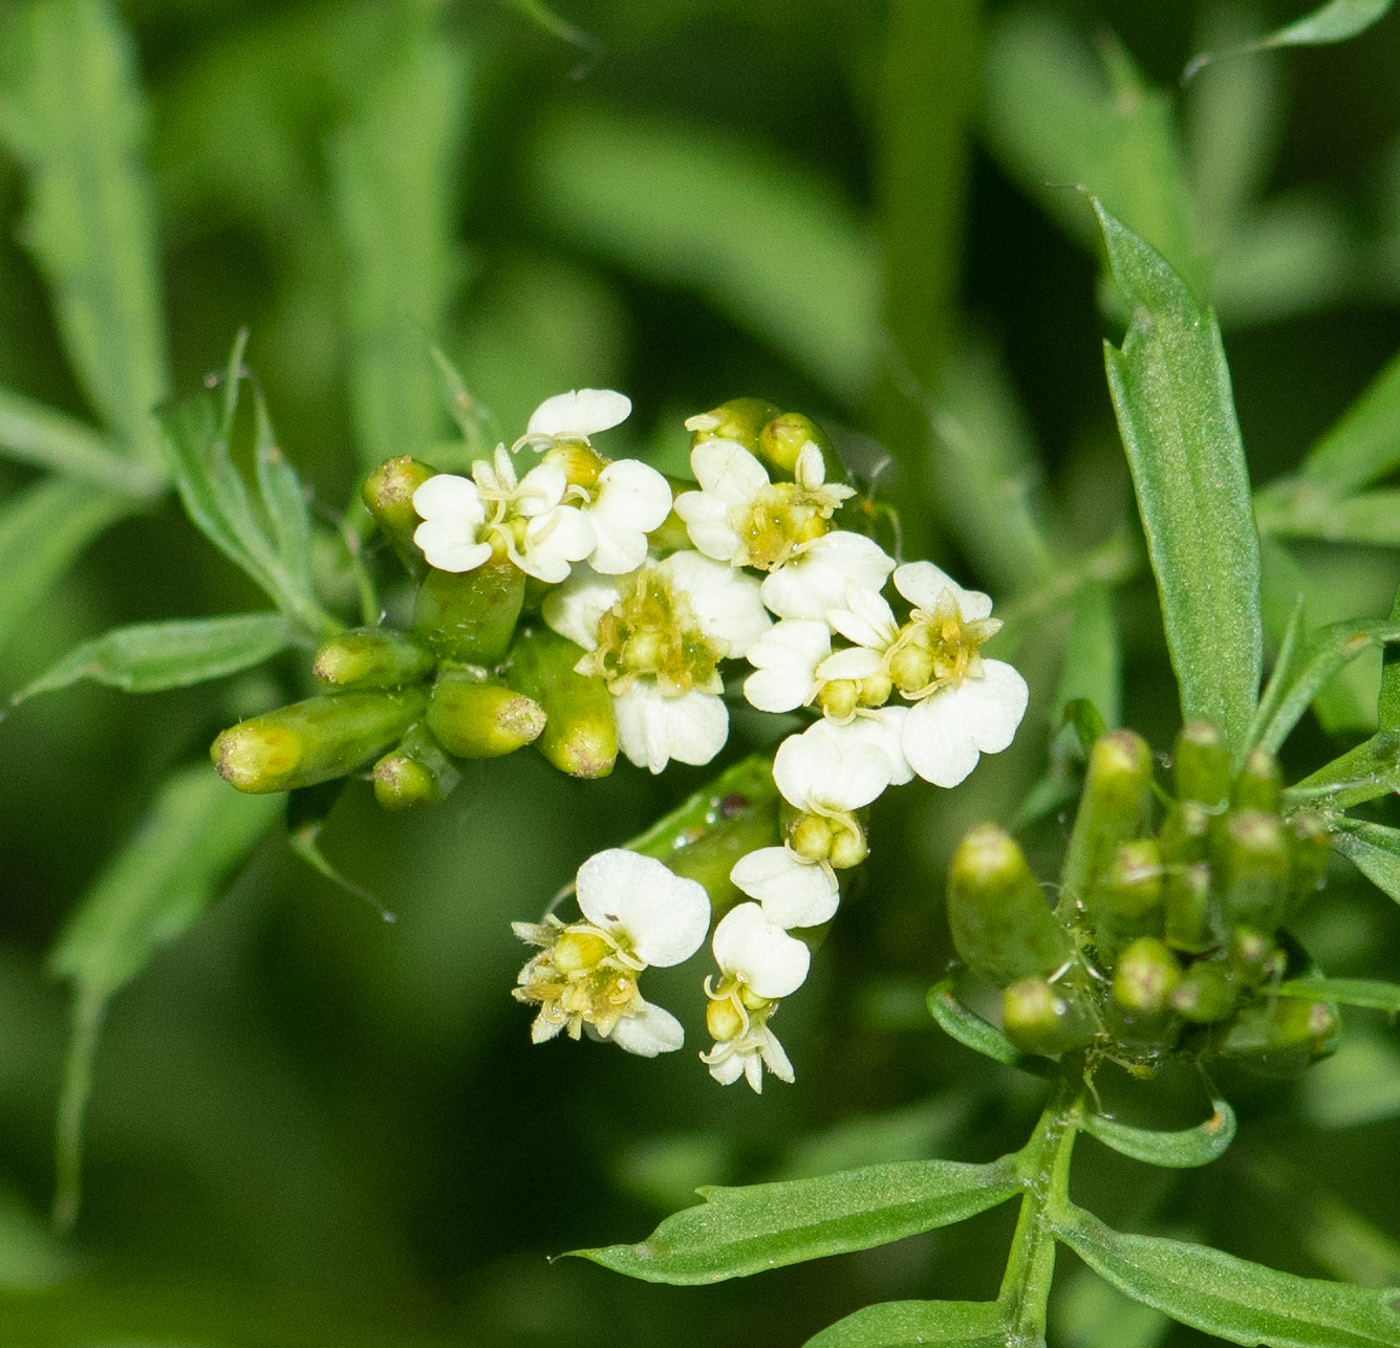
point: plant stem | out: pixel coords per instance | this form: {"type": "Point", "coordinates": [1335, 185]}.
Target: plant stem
{"type": "Point", "coordinates": [1044, 1167]}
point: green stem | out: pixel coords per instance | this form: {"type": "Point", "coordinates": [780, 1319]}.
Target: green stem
{"type": "Point", "coordinates": [89, 1006]}
{"type": "Point", "coordinates": [1044, 1168]}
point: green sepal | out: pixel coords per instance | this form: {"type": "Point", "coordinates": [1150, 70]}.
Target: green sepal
{"type": "Point", "coordinates": [313, 741]}
{"type": "Point", "coordinates": [1179, 1150]}
{"type": "Point", "coordinates": [469, 617]}
{"type": "Point", "coordinates": [473, 718]}
{"type": "Point", "coordinates": [371, 657]}
{"type": "Point", "coordinates": [580, 736]}
{"type": "Point", "coordinates": [1127, 901]}
{"type": "Point", "coordinates": [1201, 764]}
{"type": "Point", "coordinates": [1254, 869]}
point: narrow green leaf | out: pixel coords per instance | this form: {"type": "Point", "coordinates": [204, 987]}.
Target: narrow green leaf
{"type": "Point", "coordinates": [1372, 517]}
{"type": "Point", "coordinates": [1090, 1313]}
{"type": "Point", "coordinates": [736, 1232]}
{"type": "Point", "coordinates": [36, 434]}
{"type": "Point", "coordinates": [775, 248]}
{"type": "Point", "coordinates": [150, 894]}
{"type": "Point", "coordinates": [1358, 1084]}
{"type": "Point", "coordinates": [545, 19]}
{"type": "Point", "coordinates": [1287, 665]}
{"type": "Point", "coordinates": [981, 1036]}
{"type": "Point", "coordinates": [283, 500]}
{"type": "Point", "coordinates": [1366, 992]}
{"type": "Point", "coordinates": [1057, 118]}
{"type": "Point", "coordinates": [74, 116]}
{"type": "Point", "coordinates": [1171, 391]}
{"type": "Point", "coordinates": [1388, 702]}
{"type": "Point", "coordinates": [1373, 849]}
{"type": "Point", "coordinates": [308, 808]}
{"type": "Point", "coordinates": [905, 1324]}
{"type": "Point", "coordinates": [1093, 668]}
{"type": "Point", "coordinates": [148, 657]}
{"type": "Point", "coordinates": [393, 170]}
{"type": "Point", "coordinates": [1364, 773]}
{"type": "Point", "coordinates": [1232, 1298]}
{"type": "Point", "coordinates": [1182, 1150]}
{"type": "Point", "coordinates": [1335, 21]}
{"type": "Point", "coordinates": [42, 531]}
{"type": "Point", "coordinates": [1364, 444]}
{"type": "Point", "coordinates": [1325, 653]}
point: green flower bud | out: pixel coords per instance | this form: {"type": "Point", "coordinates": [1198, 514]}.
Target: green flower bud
{"type": "Point", "coordinates": [1039, 1019]}
{"type": "Point", "coordinates": [469, 617]}
{"type": "Point", "coordinates": [372, 657]}
{"type": "Point", "coordinates": [1253, 957]}
{"type": "Point", "coordinates": [1127, 902]}
{"type": "Point", "coordinates": [415, 773]}
{"type": "Point", "coordinates": [473, 719]}
{"type": "Point", "coordinates": [1117, 792]}
{"type": "Point", "coordinates": [1145, 977]}
{"type": "Point", "coordinates": [810, 836]}
{"type": "Point", "coordinates": [1309, 846]}
{"type": "Point", "coordinates": [1185, 833]}
{"type": "Point", "coordinates": [785, 437]}
{"type": "Point", "coordinates": [848, 848]}
{"type": "Point", "coordinates": [315, 740]}
{"type": "Point", "coordinates": [1281, 1036]}
{"type": "Point", "coordinates": [580, 736]}
{"type": "Point", "coordinates": [388, 495]}
{"type": "Point", "coordinates": [740, 419]}
{"type": "Point", "coordinates": [1259, 785]}
{"type": "Point", "coordinates": [1001, 924]}
{"type": "Point", "coordinates": [1192, 922]}
{"type": "Point", "coordinates": [1201, 765]}
{"type": "Point", "coordinates": [1205, 994]}
{"type": "Point", "coordinates": [1254, 869]}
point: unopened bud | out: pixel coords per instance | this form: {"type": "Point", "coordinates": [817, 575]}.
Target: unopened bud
{"type": "Point", "coordinates": [481, 720]}
{"type": "Point", "coordinates": [580, 734]}
{"type": "Point", "coordinates": [388, 495]}
{"type": "Point", "coordinates": [1201, 765]}
{"type": "Point", "coordinates": [417, 772]}
{"type": "Point", "coordinates": [1001, 924]}
{"type": "Point", "coordinates": [1117, 791]}
{"type": "Point", "coordinates": [1309, 846]}
{"type": "Point", "coordinates": [1253, 957]}
{"type": "Point", "coordinates": [1259, 785]}
{"type": "Point", "coordinates": [1127, 901]}
{"type": "Point", "coordinates": [1281, 1036]}
{"type": "Point", "coordinates": [785, 437]}
{"type": "Point", "coordinates": [1039, 1019]}
{"type": "Point", "coordinates": [1205, 994]}
{"type": "Point", "coordinates": [313, 741]}
{"type": "Point", "coordinates": [469, 617]}
{"type": "Point", "coordinates": [1145, 976]}
{"type": "Point", "coordinates": [1185, 833]}
{"type": "Point", "coordinates": [1192, 920]}
{"type": "Point", "coordinates": [740, 420]}
{"type": "Point", "coordinates": [1254, 869]}
{"type": "Point", "coordinates": [372, 657]}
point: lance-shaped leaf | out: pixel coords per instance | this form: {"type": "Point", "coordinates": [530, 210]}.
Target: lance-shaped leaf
{"type": "Point", "coordinates": [905, 1324]}
{"type": "Point", "coordinates": [1374, 849]}
{"type": "Point", "coordinates": [149, 657]}
{"type": "Point", "coordinates": [1368, 771]}
{"type": "Point", "coordinates": [1367, 992]}
{"type": "Point", "coordinates": [981, 1036]}
{"type": "Point", "coordinates": [75, 118]}
{"type": "Point", "coordinates": [1372, 518]}
{"type": "Point", "coordinates": [1335, 21]}
{"type": "Point", "coordinates": [1183, 1149]}
{"type": "Point", "coordinates": [39, 435]}
{"type": "Point", "coordinates": [735, 1232]}
{"type": "Point", "coordinates": [1232, 1298]}
{"type": "Point", "coordinates": [1171, 391]}
{"type": "Point", "coordinates": [149, 895]}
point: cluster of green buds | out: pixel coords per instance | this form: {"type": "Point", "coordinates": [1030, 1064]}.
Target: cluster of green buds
{"type": "Point", "coordinates": [1168, 933]}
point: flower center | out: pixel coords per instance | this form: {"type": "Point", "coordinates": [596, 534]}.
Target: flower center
{"type": "Point", "coordinates": [583, 976]}
{"type": "Point", "coordinates": [652, 632]}
{"type": "Point", "coordinates": [778, 521]}
{"type": "Point", "coordinates": [937, 648]}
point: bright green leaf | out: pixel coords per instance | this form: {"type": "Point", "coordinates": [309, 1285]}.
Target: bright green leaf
{"type": "Point", "coordinates": [1369, 771]}
{"type": "Point", "coordinates": [1184, 1149]}
{"type": "Point", "coordinates": [1374, 849]}
{"type": "Point", "coordinates": [42, 531]}
{"type": "Point", "coordinates": [1308, 511]}
{"type": "Point", "coordinates": [73, 115]}
{"type": "Point", "coordinates": [981, 1036]}
{"type": "Point", "coordinates": [36, 434]}
{"type": "Point", "coordinates": [1171, 391]}
{"type": "Point", "coordinates": [904, 1324]}
{"type": "Point", "coordinates": [1335, 21]}
{"type": "Point", "coordinates": [736, 1232]}
{"type": "Point", "coordinates": [1366, 992]}
{"type": "Point", "coordinates": [148, 657]}
{"type": "Point", "coordinates": [1092, 676]}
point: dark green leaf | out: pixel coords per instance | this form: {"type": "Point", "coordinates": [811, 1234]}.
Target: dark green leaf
{"type": "Point", "coordinates": [148, 657]}
{"type": "Point", "coordinates": [1180, 1150]}
{"type": "Point", "coordinates": [1287, 665]}
{"type": "Point", "coordinates": [308, 808]}
{"type": "Point", "coordinates": [1366, 992]}
{"type": "Point", "coordinates": [736, 1232]}
{"type": "Point", "coordinates": [1232, 1298]}
{"type": "Point", "coordinates": [36, 434]}
{"type": "Point", "coordinates": [981, 1036]}
{"type": "Point", "coordinates": [1364, 773]}
{"type": "Point", "coordinates": [1093, 671]}
{"type": "Point", "coordinates": [74, 116]}
{"type": "Point", "coordinates": [1171, 391]}
{"type": "Point", "coordinates": [904, 1324]}
{"type": "Point", "coordinates": [1373, 849]}
{"type": "Point", "coordinates": [42, 531]}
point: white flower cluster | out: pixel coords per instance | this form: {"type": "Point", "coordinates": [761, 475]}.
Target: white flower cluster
{"type": "Point", "coordinates": [767, 579]}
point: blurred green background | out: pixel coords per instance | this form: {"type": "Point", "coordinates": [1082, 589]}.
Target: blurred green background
{"type": "Point", "coordinates": [310, 1126]}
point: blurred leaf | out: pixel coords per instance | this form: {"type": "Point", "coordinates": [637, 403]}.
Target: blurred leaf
{"type": "Point", "coordinates": [308, 809]}
{"type": "Point", "coordinates": [42, 531]}
{"type": "Point", "coordinates": [1093, 668]}
{"type": "Point", "coordinates": [904, 1324]}
{"type": "Point", "coordinates": [981, 1036]}
{"type": "Point", "coordinates": [1372, 517]}
{"type": "Point", "coordinates": [149, 895]}
{"type": "Point", "coordinates": [1364, 773]}
{"type": "Point", "coordinates": [919, 1130]}
{"type": "Point", "coordinates": [1171, 391]}
{"type": "Point", "coordinates": [1333, 22]}
{"type": "Point", "coordinates": [545, 19]}
{"type": "Point", "coordinates": [393, 168]}
{"type": "Point", "coordinates": [1091, 1313]}
{"type": "Point", "coordinates": [1358, 1084]}
{"type": "Point", "coordinates": [736, 1232]}
{"type": "Point", "coordinates": [1373, 849]}
{"type": "Point", "coordinates": [774, 247]}
{"type": "Point", "coordinates": [1058, 119]}
{"type": "Point", "coordinates": [73, 115]}
{"type": "Point", "coordinates": [1184, 1149]}
{"type": "Point", "coordinates": [1233, 1298]}
{"type": "Point", "coordinates": [269, 541]}
{"type": "Point", "coordinates": [1366, 992]}
{"type": "Point", "coordinates": [31, 1255]}
{"type": "Point", "coordinates": [36, 434]}
{"type": "Point", "coordinates": [1324, 654]}
{"type": "Point", "coordinates": [148, 657]}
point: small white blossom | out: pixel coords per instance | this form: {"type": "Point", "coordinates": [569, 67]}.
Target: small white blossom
{"type": "Point", "coordinates": [636, 913]}
{"type": "Point", "coordinates": [577, 415]}
{"type": "Point", "coordinates": [815, 579]}
{"type": "Point", "coordinates": [759, 964]}
{"type": "Point", "coordinates": [786, 659]}
{"type": "Point", "coordinates": [827, 772]}
{"type": "Point", "coordinates": [791, 891]}
{"type": "Point", "coordinates": [629, 500]}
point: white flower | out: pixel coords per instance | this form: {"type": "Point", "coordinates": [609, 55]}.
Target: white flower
{"type": "Point", "coordinates": [577, 415]}
{"type": "Point", "coordinates": [792, 892]}
{"type": "Point", "coordinates": [786, 659]}
{"type": "Point", "coordinates": [629, 500]}
{"type": "Point", "coordinates": [760, 964]}
{"type": "Point", "coordinates": [815, 579]}
{"type": "Point", "coordinates": [637, 913]}
{"type": "Point", "coordinates": [827, 772]}
{"type": "Point", "coordinates": [657, 637]}
{"type": "Point", "coordinates": [947, 731]}
{"type": "Point", "coordinates": [466, 522]}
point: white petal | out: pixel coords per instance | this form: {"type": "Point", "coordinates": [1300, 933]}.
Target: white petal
{"type": "Point", "coordinates": [450, 545]}
{"type": "Point", "coordinates": [576, 608]}
{"type": "Point", "coordinates": [922, 583]}
{"type": "Point", "coordinates": [663, 916]}
{"type": "Point", "coordinates": [728, 1069]}
{"type": "Point", "coordinates": [786, 657]}
{"type": "Point", "coordinates": [945, 733]}
{"type": "Point", "coordinates": [647, 1032]}
{"type": "Point", "coordinates": [760, 953]}
{"type": "Point", "coordinates": [810, 469]}
{"type": "Point", "coordinates": [813, 584]}
{"type": "Point", "coordinates": [867, 619]}
{"type": "Point", "coordinates": [707, 523]}
{"type": "Point", "coordinates": [652, 729]}
{"type": "Point", "coordinates": [774, 1058]}
{"type": "Point", "coordinates": [791, 893]}
{"type": "Point", "coordinates": [541, 489]}
{"type": "Point", "coordinates": [825, 769]}
{"type": "Point", "coordinates": [447, 495]}
{"type": "Point", "coordinates": [854, 663]}
{"type": "Point", "coordinates": [725, 601]}
{"type": "Point", "coordinates": [583, 412]}
{"type": "Point", "coordinates": [884, 728]}
{"type": "Point", "coordinates": [724, 468]}
{"type": "Point", "coordinates": [554, 540]}
{"type": "Point", "coordinates": [633, 499]}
